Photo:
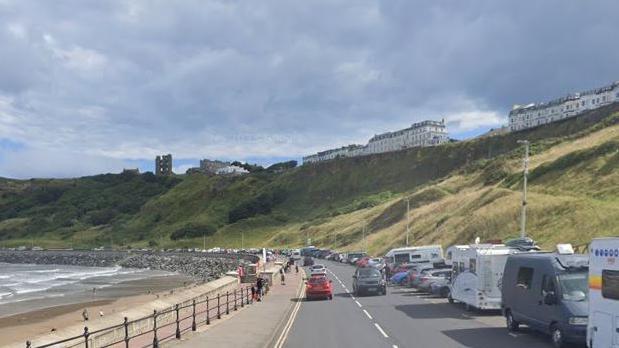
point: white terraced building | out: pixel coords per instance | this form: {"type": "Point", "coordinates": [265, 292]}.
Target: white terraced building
{"type": "Point", "coordinates": [533, 115]}
{"type": "Point", "coordinates": [426, 133]}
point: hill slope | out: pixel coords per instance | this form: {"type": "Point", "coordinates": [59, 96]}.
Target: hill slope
{"type": "Point", "coordinates": [456, 191]}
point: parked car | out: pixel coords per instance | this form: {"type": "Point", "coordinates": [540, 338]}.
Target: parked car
{"type": "Point", "coordinates": [368, 280]}
{"type": "Point", "coordinates": [362, 262]}
{"type": "Point", "coordinates": [547, 292]}
{"type": "Point", "coordinates": [441, 288]}
{"type": "Point", "coordinates": [430, 276]}
{"type": "Point", "coordinates": [308, 261]}
{"type": "Point", "coordinates": [318, 286]}
{"type": "Point", "coordinates": [412, 277]}
{"type": "Point", "coordinates": [318, 269]}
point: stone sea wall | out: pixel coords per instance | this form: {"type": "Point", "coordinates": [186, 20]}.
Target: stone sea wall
{"type": "Point", "coordinates": [200, 266]}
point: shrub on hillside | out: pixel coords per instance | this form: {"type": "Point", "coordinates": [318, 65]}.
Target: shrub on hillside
{"type": "Point", "coordinates": [193, 230]}
{"type": "Point", "coordinates": [260, 204]}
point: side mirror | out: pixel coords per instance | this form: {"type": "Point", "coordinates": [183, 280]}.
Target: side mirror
{"type": "Point", "coordinates": [354, 276]}
{"type": "Point", "coordinates": [550, 298]}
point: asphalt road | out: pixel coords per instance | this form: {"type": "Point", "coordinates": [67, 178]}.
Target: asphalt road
{"type": "Point", "coordinates": [403, 318]}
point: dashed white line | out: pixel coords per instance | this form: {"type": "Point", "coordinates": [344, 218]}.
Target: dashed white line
{"type": "Point", "coordinates": [512, 334]}
{"type": "Point", "coordinates": [381, 330]}
{"type": "Point", "coordinates": [358, 304]}
{"type": "Point", "coordinates": [394, 346]}
{"type": "Point", "coordinates": [368, 314]}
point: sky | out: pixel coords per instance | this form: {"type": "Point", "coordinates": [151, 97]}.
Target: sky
{"type": "Point", "coordinates": [90, 86]}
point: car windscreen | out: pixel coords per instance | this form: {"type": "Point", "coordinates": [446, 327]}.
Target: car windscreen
{"type": "Point", "coordinates": [369, 272]}
{"type": "Point", "coordinates": [574, 286]}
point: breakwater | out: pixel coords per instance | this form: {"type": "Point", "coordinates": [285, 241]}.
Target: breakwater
{"type": "Point", "coordinates": [200, 266]}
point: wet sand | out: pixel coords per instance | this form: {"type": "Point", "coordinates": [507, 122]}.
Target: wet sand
{"type": "Point", "coordinates": [35, 321]}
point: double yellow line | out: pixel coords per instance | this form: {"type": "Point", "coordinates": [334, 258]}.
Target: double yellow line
{"type": "Point", "coordinates": [284, 335]}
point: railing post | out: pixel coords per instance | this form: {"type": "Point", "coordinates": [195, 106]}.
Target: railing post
{"type": "Point", "coordinates": [218, 307]}
{"type": "Point", "coordinates": [193, 323]}
{"type": "Point", "coordinates": [126, 323]}
{"type": "Point", "coordinates": [248, 297]}
{"type": "Point", "coordinates": [178, 327]}
{"type": "Point", "coordinates": [227, 302]}
{"type": "Point", "coordinates": [208, 312]}
{"type": "Point", "coordinates": [28, 344]}
{"type": "Point", "coordinates": [242, 301]}
{"type": "Point", "coordinates": [155, 339]}
{"type": "Point", "coordinates": [86, 334]}
{"type": "Point", "coordinates": [235, 299]}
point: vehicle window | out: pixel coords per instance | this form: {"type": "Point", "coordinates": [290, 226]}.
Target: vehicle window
{"type": "Point", "coordinates": [402, 258]}
{"type": "Point", "coordinates": [415, 256]}
{"type": "Point", "coordinates": [317, 280]}
{"type": "Point", "coordinates": [473, 266]}
{"type": "Point", "coordinates": [574, 286]}
{"type": "Point", "coordinates": [368, 272]}
{"type": "Point", "coordinates": [610, 284]}
{"type": "Point", "coordinates": [461, 266]}
{"type": "Point", "coordinates": [525, 277]}
{"type": "Point", "coordinates": [548, 285]}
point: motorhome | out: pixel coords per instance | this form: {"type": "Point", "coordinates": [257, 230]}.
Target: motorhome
{"type": "Point", "coordinates": [296, 254]}
{"type": "Point", "coordinates": [477, 275]}
{"type": "Point", "coordinates": [603, 325]}
{"type": "Point", "coordinates": [548, 293]}
{"type": "Point", "coordinates": [449, 253]}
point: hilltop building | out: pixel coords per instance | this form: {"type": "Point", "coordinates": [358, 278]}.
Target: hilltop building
{"type": "Point", "coordinates": [231, 170]}
{"type": "Point", "coordinates": [210, 166]}
{"type": "Point", "coordinates": [426, 133]}
{"type": "Point", "coordinates": [536, 114]}
{"type": "Point", "coordinates": [163, 165]}
{"type": "Point", "coordinates": [215, 167]}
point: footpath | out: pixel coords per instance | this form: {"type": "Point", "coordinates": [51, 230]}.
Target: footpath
{"type": "Point", "coordinates": [263, 324]}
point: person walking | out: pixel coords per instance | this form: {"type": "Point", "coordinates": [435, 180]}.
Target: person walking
{"type": "Point", "coordinates": [283, 278]}
{"type": "Point", "coordinates": [85, 314]}
{"type": "Point", "coordinates": [259, 287]}
{"type": "Point", "coordinates": [296, 268]}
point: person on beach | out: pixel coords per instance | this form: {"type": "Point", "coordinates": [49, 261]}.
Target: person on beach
{"type": "Point", "coordinates": [85, 314]}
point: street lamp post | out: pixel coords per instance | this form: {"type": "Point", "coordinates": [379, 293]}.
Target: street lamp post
{"type": "Point", "coordinates": [523, 220]}
{"type": "Point", "coordinates": [407, 220]}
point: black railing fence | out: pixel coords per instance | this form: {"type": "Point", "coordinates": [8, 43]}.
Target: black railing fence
{"type": "Point", "coordinates": [149, 331]}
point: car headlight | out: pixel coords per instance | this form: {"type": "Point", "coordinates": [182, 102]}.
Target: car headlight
{"type": "Point", "coordinates": [578, 320]}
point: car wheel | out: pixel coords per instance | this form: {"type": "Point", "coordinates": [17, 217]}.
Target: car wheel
{"type": "Point", "coordinates": [557, 337]}
{"type": "Point", "coordinates": [330, 297]}
{"type": "Point", "coordinates": [512, 324]}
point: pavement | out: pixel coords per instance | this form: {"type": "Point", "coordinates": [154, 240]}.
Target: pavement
{"type": "Point", "coordinates": [403, 318]}
{"type": "Point", "coordinates": [255, 326]}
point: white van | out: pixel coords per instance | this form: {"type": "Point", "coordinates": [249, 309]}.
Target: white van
{"type": "Point", "coordinates": [603, 325]}
{"type": "Point", "coordinates": [415, 254]}
{"type": "Point", "coordinates": [296, 254]}
{"type": "Point", "coordinates": [477, 275]}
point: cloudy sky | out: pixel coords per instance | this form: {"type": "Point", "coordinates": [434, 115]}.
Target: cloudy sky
{"type": "Point", "coordinates": [94, 86]}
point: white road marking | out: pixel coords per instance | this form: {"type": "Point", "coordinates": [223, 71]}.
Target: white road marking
{"type": "Point", "coordinates": [512, 334]}
{"type": "Point", "coordinates": [353, 298]}
{"type": "Point", "coordinates": [368, 314]}
{"type": "Point", "coordinates": [381, 330]}
{"type": "Point", "coordinates": [394, 346]}
{"type": "Point", "coordinates": [358, 304]}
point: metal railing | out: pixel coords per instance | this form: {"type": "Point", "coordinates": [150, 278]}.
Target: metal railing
{"type": "Point", "coordinates": [185, 317]}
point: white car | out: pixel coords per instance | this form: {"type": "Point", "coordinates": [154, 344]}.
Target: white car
{"type": "Point", "coordinates": [318, 269]}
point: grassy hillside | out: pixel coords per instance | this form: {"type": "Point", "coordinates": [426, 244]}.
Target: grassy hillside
{"type": "Point", "coordinates": [457, 192]}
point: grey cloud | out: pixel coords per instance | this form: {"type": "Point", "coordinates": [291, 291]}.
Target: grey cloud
{"type": "Point", "coordinates": [125, 79]}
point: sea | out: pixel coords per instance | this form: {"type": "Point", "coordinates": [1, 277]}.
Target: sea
{"type": "Point", "coordinates": [26, 287]}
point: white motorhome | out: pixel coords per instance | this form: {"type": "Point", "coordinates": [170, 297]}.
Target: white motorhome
{"type": "Point", "coordinates": [603, 325]}
{"type": "Point", "coordinates": [450, 251]}
{"type": "Point", "coordinates": [415, 254]}
{"type": "Point", "coordinates": [478, 273]}
{"type": "Point", "coordinates": [296, 254]}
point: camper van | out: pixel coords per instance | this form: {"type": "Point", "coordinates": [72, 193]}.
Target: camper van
{"type": "Point", "coordinates": [603, 326]}
{"type": "Point", "coordinates": [547, 292]}
{"type": "Point", "coordinates": [416, 254]}
{"type": "Point", "coordinates": [450, 251]}
{"type": "Point", "coordinates": [477, 274]}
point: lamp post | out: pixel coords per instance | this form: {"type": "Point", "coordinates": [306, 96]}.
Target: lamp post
{"type": "Point", "coordinates": [407, 219]}
{"type": "Point", "coordinates": [523, 220]}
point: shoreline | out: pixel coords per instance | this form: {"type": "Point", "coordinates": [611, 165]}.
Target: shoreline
{"type": "Point", "coordinates": [22, 326]}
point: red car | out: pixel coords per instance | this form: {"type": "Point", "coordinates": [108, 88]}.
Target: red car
{"type": "Point", "coordinates": [318, 286]}
{"type": "Point", "coordinates": [363, 262]}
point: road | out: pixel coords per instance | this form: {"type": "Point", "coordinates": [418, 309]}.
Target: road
{"type": "Point", "coordinates": [403, 318]}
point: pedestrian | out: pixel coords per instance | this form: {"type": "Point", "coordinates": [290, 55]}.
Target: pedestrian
{"type": "Point", "coordinates": [283, 278]}
{"type": "Point", "coordinates": [85, 314]}
{"type": "Point", "coordinates": [259, 286]}
{"type": "Point", "coordinates": [253, 293]}
{"type": "Point", "coordinates": [296, 267]}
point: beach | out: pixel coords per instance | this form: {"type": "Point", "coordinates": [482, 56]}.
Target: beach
{"type": "Point", "coordinates": [24, 320]}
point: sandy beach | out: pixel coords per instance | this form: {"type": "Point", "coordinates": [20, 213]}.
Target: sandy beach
{"type": "Point", "coordinates": [30, 323]}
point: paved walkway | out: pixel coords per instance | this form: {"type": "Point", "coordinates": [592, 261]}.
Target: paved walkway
{"type": "Point", "coordinates": [254, 326]}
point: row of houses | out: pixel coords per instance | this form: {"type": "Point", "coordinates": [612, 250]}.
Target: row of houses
{"type": "Point", "coordinates": [536, 114]}
{"type": "Point", "coordinates": [426, 133]}
{"type": "Point", "coordinates": [215, 167]}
